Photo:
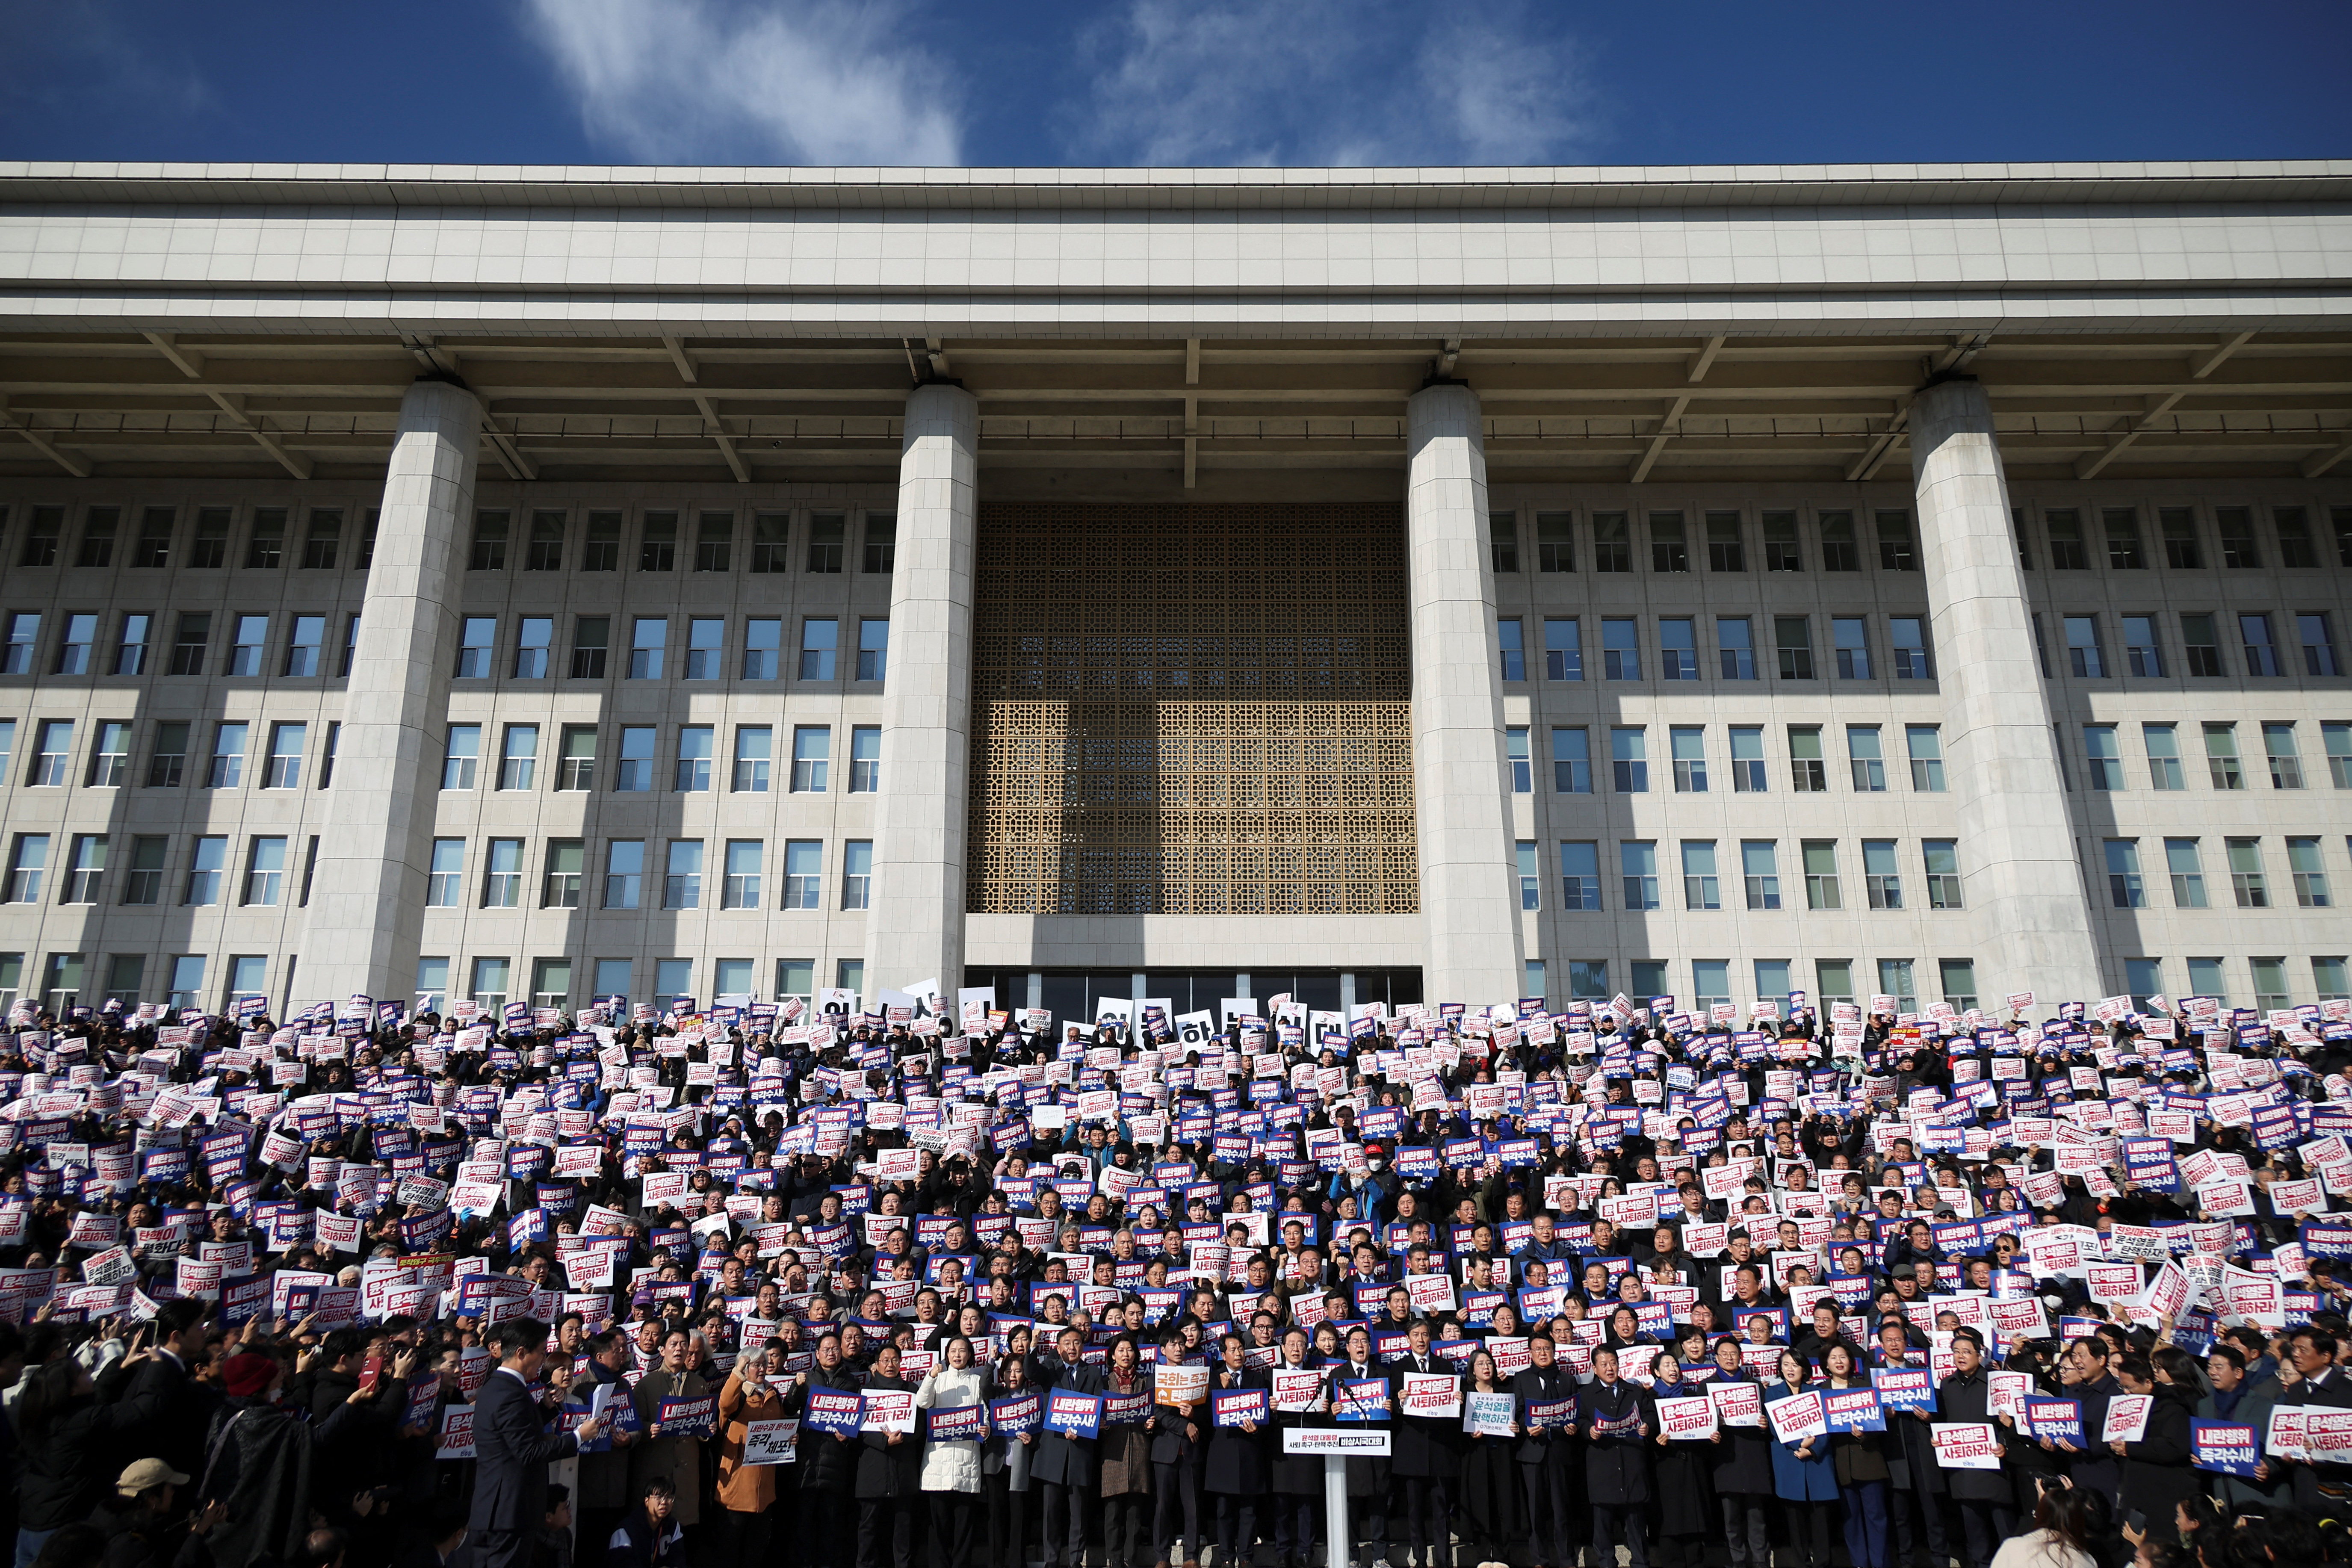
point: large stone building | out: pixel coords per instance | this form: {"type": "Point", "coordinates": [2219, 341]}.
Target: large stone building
{"type": "Point", "coordinates": [1368, 584]}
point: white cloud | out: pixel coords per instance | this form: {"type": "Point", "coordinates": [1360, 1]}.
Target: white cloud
{"type": "Point", "coordinates": [1321, 81]}
{"type": "Point", "coordinates": [750, 81]}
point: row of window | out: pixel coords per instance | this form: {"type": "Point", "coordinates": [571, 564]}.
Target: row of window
{"type": "Point", "coordinates": [1834, 980]}
{"type": "Point", "coordinates": [65, 975]}
{"type": "Point", "coordinates": [1629, 759]}
{"type": "Point", "coordinates": [1705, 870]}
{"type": "Point", "coordinates": [2250, 881]}
{"type": "Point", "coordinates": [50, 764]}
{"type": "Point", "coordinates": [2087, 655]}
{"type": "Point", "coordinates": [539, 541]}
{"type": "Point", "coordinates": [2331, 979]}
{"type": "Point", "coordinates": [210, 878]}
{"type": "Point", "coordinates": [250, 652]}
{"type": "Point", "coordinates": [1676, 539]}
{"type": "Point", "coordinates": [691, 759]}
{"type": "Point", "coordinates": [1735, 645]}
{"type": "Point", "coordinates": [2102, 763]}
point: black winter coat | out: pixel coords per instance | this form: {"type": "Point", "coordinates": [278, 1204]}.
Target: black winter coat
{"type": "Point", "coordinates": [64, 1470]}
{"type": "Point", "coordinates": [1424, 1446]}
{"type": "Point", "coordinates": [887, 1470]}
{"type": "Point", "coordinates": [1964, 1398]}
{"type": "Point", "coordinates": [1236, 1463]}
{"type": "Point", "coordinates": [828, 1463]}
{"type": "Point", "coordinates": [1616, 1468]}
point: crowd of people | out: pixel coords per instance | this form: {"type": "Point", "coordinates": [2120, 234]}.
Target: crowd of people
{"type": "Point", "coordinates": [930, 1281]}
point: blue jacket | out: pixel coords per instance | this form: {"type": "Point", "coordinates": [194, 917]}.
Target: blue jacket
{"type": "Point", "coordinates": [1795, 1480]}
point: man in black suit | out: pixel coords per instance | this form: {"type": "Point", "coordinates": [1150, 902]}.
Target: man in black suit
{"type": "Point", "coordinates": [511, 1452]}
{"type": "Point", "coordinates": [1427, 1459]}
{"type": "Point", "coordinates": [1064, 1465]}
{"type": "Point", "coordinates": [1546, 1456]}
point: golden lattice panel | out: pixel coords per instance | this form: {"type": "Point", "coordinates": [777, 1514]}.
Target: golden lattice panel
{"type": "Point", "coordinates": [1192, 711]}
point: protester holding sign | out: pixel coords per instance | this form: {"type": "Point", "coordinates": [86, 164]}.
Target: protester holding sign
{"type": "Point", "coordinates": [889, 1471]}
{"type": "Point", "coordinates": [1685, 1506]}
{"type": "Point", "coordinates": [747, 1492]}
{"type": "Point", "coordinates": [1857, 1457]}
{"type": "Point", "coordinates": [1301, 1397]}
{"type": "Point", "coordinates": [1986, 1501]}
{"type": "Point", "coordinates": [1803, 1477]}
{"type": "Point", "coordinates": [955, 1392]}
{"type": "Point", "coordinates": [1014, 1414]}
{"type": "Point", "coordinates": [1614, 1418]}
{"type": "Point", "coordinates": [1235, 1465]}
{"type": "Point", "coordinates": [1063, 1460]}
{"type": "Point", "coordinates": [1123, 1455]}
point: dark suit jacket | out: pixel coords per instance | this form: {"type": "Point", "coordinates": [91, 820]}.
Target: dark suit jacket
{"type": "Point", "coordinates": [1067, 1461]}
{"type": "Point", "coordinates": [510, 1457]}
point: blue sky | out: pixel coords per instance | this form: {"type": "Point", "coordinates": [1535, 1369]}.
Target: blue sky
{"type": "Point", "coordinates": [1171, 82]}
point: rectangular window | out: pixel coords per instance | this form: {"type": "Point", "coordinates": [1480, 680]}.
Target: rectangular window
{"type": "Point", "coordinates": [88, 865]}
{"type": "Point", "coordinates": [1735, 644]}
{"type": "Point", "coordinates": [714, 540]}
{"type": "Point", "coordinates": [2040, 654]}
{"type": "Point", "coordinates": [2235, 524]}
{"type": "Point", "coordinates": [874, 648]}
{"type": "Point", "coordinates": [634, 772]}
{"type": "Point", "coordinates": [1503, 539]}
{"type": "Point", "coordinates": [265, 872]}
{"type": "Point", "coordinates": [1563, 650]}
{"type": "Point", "coordinates": [351, 646]}
{"type": "Point", "coordinates": [1572, 760]}
{"type": "Point", "coordinates": [1821, 874]}
{"type": "Point", "coordinates": [1620, 649]}
{"type": "Point", "coordinates": [244, 654]}
{"type": "Point", "coordinates": [2066, 552]}
{"type": "Point", "coordinates": [2143, 978]}
{"type": "Point", "coordinates": [489, 543]}
{"type": "Point", "coordinates": [2302, 861]}
{"type": "Point", "coordinates": [143, 884]}
{"type": "Point", "coordinates": [52, 755]}
{"type": "Point", "coordinates": [1649, 977]}
{"type": "Point", "coordinates": [1959, 981]}
{"type": "Point", "coordinates": [692, 775]}
{"type": "Point", "coordinates": [1772, 977]}
{"type": "Point", "coordinates": [551, 983]}
{"type": "Point", "coordinates": [592, 636]}
{"type": "Point", "coordinates": [754, 747]}
{"type": "Point", "coordinates": [302, 646]}
{"type": "Point", "coordinates": [2336, 738]}
{"type": "Point", "coordinates": [2207, 978]}
{"type": "Point", "coordinates": [2319, 644]}
{"type": "Point", "coordinates": [624, 871]}
{"type": "Point", "coordinates": [1881, 877]}
{"type": "Point", "coordinates": [110, 756]}
{"type": "Point", "coordinates": [74, 648]}
{"type": "Point", "coordinates": [265, 548]}
{"type": "Point", "coordinates": [26, 862]}
{"type": "Point", "coordinates": [1509, 643]}
{"type": "Point", "coordinates": [648, 639]}
{"type": "Point", "coordinates": [43, 533]}
{"type": "Point", "coordinates": [576, 766]}
{"type": "Point", "coordinates": [1838, 551]}
{"type": "Point", "coordinates": [1868, 762]}
{"type": "Point", "coordinates": [444, 883]}
{"type": "Point", "coordinates": [742, 888]}
{"type": "Point", "coordinates": [187, 980]}
{"type": "Point", "coordinates": [1710, 982]}
{"type": "Point", "coordinates": [461, 756]}
{"type": "Point", "coordinates": [658, 545]}
{"type": "Point", "coordinates": [771, 540]}
{"type": "Point", "coordinates": [532, 644]}
{"type": "Point", "coordinates": [864, 759]}
{"type": "Point", "coordinates": [1896, 553]}
{"type": "Point", "coordinates": [763, 639]}
{"type": "Point", "coordinates": [545, 553]}
{"type": "Point", "coordinates": [2125, 889]}
{"type": "Point", "coordinates": [2187, 869]}
{"type": "Point", "coordinates": [803, 873]}
{"type": "Point", "coordinates": [1852, 635]}
{"type": "Point", "coordinates": [706, 648]}
{"type": "Point", "coordinates": [2102, 759]}
{"type": "Point", "coordinates": [1629, 756]}
{"type": "Point", "coordinates": [828, 534]}
{"type": "Point", "coordinates": [2328, 978]}
{"type": "Point", "coordinates": [152, 550]}
{"type": "Point", "coordinates": [130, 651]}
{"type": "Point", "coordinates": [205, 869]}
{"type": "Point", "coordinates": [284, 769]}
{"type": "Point", "coordinates": [1895, 980]}
{"type": "Point", "coordinates": [490, 982]}
{"type": "Point", "coordinates": [1613, 550]}
{"type": "Point", "coordinates": [2294, 525]}
{"type": "Point", "coordinates": [1638, 862]}
{"type": "Point", "coordinates": [2222, 756]}
{"type": "Point", "coordinates": [1943, 862]}
{"type": "Point", "coordinates": [2270, 984]}
{"type": "Point", "coordinates": [811, 754]}
{"type": "Point", "coordinates": [1795, 643]}
{"type": "Point", "coordinates": [2286, 762]}
{"type": "Point", "coordinates": [1579, 875]}
{"type": "Point", "coordinates": [2261, 654]}
{"type": "Point", "coordinates": [1782, 552]}
{"type": "Point", "coordinates": [1514, 752]}
{"type": "Point", "coordinates": [1667, 551]}
{"type": "Point", "coordinates": [1724, 549]}
{"type": "Point", "coordinates": [796, 977]}
{"type": "Point", "coordinates": [2141, 655]}
{"type": "Point", "coordinates": [1834, 979]}
{"type": "Point", "coordinates": [2202, 645]}
{"type": "Point", "coordinates": [1688, 744]}
{"type": "Point", "coordinates": [210, 547]}
{"type": "Point", "coordinates": [367, 538]}
{"type": "Point", "coordinates": [1530, 876]}
{"type": "Point", "coordinates": [1678, 648]}
{"type": "Point", "coordinates": [881, 543]}
{"type": "Point", "coordinates": [1760, 868]}
{"type": "Point", "coordinates": [2083, 653]}
{"type": "Point", "coordinates": [518, 757]}
{"type": "Point", "coordinates": [227, 768]}
{"type": "Point", "coordinates": [2121, 525]}
{"type": "Point", "coordinates": [1808, 768]}
{"type": "Point", "coordinates": [1926, 747]}
{"type": "Point", "coordinates": [559, 886]}
{"type": "Point", "coordinates": [1908, 636]}
{"type": "Point", "coordinates": [601, 552]}
{"type": "Point", "coordinates": [2024, 542]}
{"type": "Point", "coordinates": [819, 639]}
{"type": "Point", "coordinates": [166, 761]}
{"type": "Point", "coordinates": [2246, 879]}
{"type": "Point", "coordinates": [477, 646]}
{"type": "Point", "coordinates": [682, 882]}
{"type": "Point", "coordinates": [1555, 542]}
{"type": "Point", "coordinates": [2181, 551]}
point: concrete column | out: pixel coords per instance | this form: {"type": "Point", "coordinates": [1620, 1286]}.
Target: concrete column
{"type": "Point", "coordinates": [1461, 802]}
{"type": "Point", "coordinates": [367, 901]}
{"type": "Point", "coordinates": [2025, 888]}
{"type": "Point", "coordinates": [915, 927]}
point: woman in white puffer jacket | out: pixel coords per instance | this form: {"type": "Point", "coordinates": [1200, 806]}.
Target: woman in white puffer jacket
{"type": "Point", "coordinates": [951, 1470]}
